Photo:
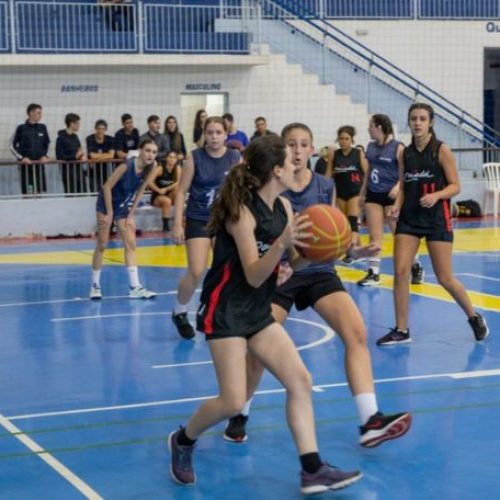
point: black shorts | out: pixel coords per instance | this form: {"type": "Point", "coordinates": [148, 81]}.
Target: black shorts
{"type": "Point", "coordinates": [304, 290]}
{"type": "Point", "coordinates": [439, 235]}
{"type": "Point", "coordinates": [195, 229]}
{"type": "Point", "coordinates": [347, 194]}
{"type": "Point", "coordinates": [382, 199]}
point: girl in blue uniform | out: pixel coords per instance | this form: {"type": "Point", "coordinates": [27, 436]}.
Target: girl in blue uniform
{"type": "Point", "coordinates": [253, 227]}
{"type": "Point", "coordinates": [117, 201]}
{"type": "Point", "coordinates": [429, 179]}
{"type": "Point", "coordinates": [201, 177]}
{"type": "Point", "coordinates": [319, 287]}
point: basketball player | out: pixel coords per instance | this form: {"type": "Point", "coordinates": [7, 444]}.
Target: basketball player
{"type": "Point", "coordinates": [253, 227]}
{"type": "Point", "coordinates": [318, 286]}
{"type": "Point", "coordinates": [201, 176]}
{"type": "Point", "coordinates": [117, 201]}
{"type": "Point", "coordinates": [379, 191]}
{"type": "Point", "coordinates": [348, 167]}
{"type": "Point", "coordinates": [429, 178]}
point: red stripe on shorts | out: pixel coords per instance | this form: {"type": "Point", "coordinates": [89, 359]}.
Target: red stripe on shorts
{"type": "Point", "coordinates": [214, 300]}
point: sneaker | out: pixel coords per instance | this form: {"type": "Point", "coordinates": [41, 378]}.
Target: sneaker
{"type": "Point", "coordinates": [236, 429]}
{"type": "Point", "coordinates": [181, 466]}
{"type": "Point", "coordinates": [479, 327]}
{"type": "Point", "coordinates": [183, 325]}
{"type": "Point", "coordinates": [380, 428]}
{"type": "Point", "coordinates": [347, 260]}
{"type": "Point", "coordinates": [327, 478]}
{"type": "Point", "coordinates": [417, 273]}
{"type": "Point", "coordinates": [395, 336]}
{"type": "Point", "coordinates": [95, 292]}
{"type": "Point", "coordinates": [371, 279]}
{"type": "Point", "coordinates": [139, 292]}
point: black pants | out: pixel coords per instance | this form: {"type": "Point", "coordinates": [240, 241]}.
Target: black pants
{"type": "Point", "coordinates": [33, 179]}
{"type": "Point", "coordinates": [98, 175]}
{"type": "Point", "coordinates": [119, 17]}
{"type": "Point", "coordinates": [72, 177]}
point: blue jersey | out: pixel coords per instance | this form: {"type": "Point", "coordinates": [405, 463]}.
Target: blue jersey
{"type": "Point", "coordinates": [383, 171]}
{"type": "Point", "coordinates": [319, 190]}
{"type": "Point", "coordinates": [209, 175]}
{"type": "Point", "coordinates": [123, 192]}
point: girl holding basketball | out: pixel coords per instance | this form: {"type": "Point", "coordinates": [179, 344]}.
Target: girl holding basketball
{"type": "Point", "coordinates": [379, 191]}
{"type": "Point", "coordinates": [253, 227]}
{"type": "Point", "coordinates": [117, 202]}
{"type": "Point", "coordinates": [318, 286]}
{"type": "Point", "coordinates": [429, 179]}
{"type": "Point", "coordinates": [202, 175]}
{"type": "Point", "coordinates": [348, 167]}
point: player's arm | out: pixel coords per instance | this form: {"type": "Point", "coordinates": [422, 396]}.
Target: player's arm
{"type": "Point", "coordinates": [109, 184]}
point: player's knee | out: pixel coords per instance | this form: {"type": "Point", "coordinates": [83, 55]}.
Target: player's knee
{"type": "Point", "coordinates": [445, 280]}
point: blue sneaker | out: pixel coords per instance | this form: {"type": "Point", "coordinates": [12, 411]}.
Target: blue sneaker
{"type": "Point", "coordinates": [181, 467]}
{"type": "Point", "coordinates": [327, 478]}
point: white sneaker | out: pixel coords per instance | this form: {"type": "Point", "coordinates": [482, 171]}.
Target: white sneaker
{"type": "Point", "coordinates": [139, 292]}
{"type": "Point", "coordinates": [95, 292]}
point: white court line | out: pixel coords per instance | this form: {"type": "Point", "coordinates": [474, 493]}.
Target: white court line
{"type": "Point", "coordinates": [453, 375]}
{"type": "Point", "coordinates": [480, 276]}
{"type": "Point", "coordinates": [61, 469]}
{"type": "Point", "coordinates": [329, 334]}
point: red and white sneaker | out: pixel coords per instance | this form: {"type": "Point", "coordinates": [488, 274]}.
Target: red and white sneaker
{"type": "Point", "coordinates": [380, 428]}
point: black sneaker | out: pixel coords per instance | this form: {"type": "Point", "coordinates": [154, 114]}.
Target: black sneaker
{"type": "Point", "coordinates": [371, 279]}
{"type": "Point", "coordinates": [417, 273]}
{"type": "Point", "coordinates": [236, 429]}
{"type": "Point", "coordinates": [380, 428]}
{"type": "Point", "coordinates": [181, 466]}
{"type": "Point", "coordinates": [479, 327]}
{"type": "Point", "coordinates": [395, 336]}
{"type": "Point", "coordinates": [328, 477]}
{"type": "Point", "coordinates": [183, 325]}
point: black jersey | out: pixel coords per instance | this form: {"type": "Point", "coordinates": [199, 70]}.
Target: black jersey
{"type": "Point", "coordinates": [229, 305]}
{"type": "Point", "coordinates": [166, 178]}
{"type": "Point", "coordinates": [347, 173]}
{"type": "Point", "coordinates": [423, 175]}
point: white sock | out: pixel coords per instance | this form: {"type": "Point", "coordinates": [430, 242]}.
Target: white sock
{"type": "Point", "coordinates": [374, 265]}
{"type": "Point", "coordinates": [133, 277]}
{"type": "Point", "coordinates": [180, 308]}
{"type": "Point", "coordinates": [96, 277]}
{"type": "Point", "coordinates": [367, 405]}
{"type": "Point", "coordinates": [246, 408]}
{"type": "Point", "coordinates": [416, 259]}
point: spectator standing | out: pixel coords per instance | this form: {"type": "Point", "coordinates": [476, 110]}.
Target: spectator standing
{"type": "Point", "coordinates": [175, 137]}
{"type": "Point", "coordinates": [100, 146]}
{"type": "Point", "coordinates": [199, 128]}
{"type": "Point", "coordinates": [236, 139]}
{"type": "Point", "coordinates": [118, 15]}
{"type": "Point", "coordinates": [69, 149]}
{"type": "Point", "coordinates": [261, 129]}
{"type": "Point", "coordinates": [161, 140]}
{"type": "Point", "coordinates": [30, 145]}
{"type": "Point", "coordinates": [127, 138]}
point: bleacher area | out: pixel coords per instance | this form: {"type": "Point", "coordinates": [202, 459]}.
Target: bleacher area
{"type": "Point", "coordinates": [186, 26]}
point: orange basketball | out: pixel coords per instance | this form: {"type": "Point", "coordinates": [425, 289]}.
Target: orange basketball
{"type": "Point", "coordinates": [331, 233]}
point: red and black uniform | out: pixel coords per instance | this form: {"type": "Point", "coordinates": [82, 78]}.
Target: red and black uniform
{"type": "Point", "coordinates": [423, 175]}
{"type": "Point", "coordinates": [229, 306]}
{"type": "Point", "coordinates": [347, 173]}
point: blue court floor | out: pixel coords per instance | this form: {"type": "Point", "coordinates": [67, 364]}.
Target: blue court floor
{"type": "Point", "coordinates": [89, 391]}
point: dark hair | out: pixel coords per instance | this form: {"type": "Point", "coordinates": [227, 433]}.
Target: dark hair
{"type": "Point", "coordinates": [428, 108]}
{"type": "Point", "coordinates": [243, 180]}
{"type": "Point", "coordinates": [125, 117]}
{"type": "Point", "coordinates": [228, 116]}
{"type": "Point", "coordinates": [32, 107]}
{"type": "Point", "coordinates": [346, 129]}
{"type": "Point", "coordinates": [153, 118]}
{"type": "Point", "coordinates": [71, 118]}
{"type": "Point", "coordinates": [100, 123]}
{"type": "Point", "coordinates": [384, 122]}
{"type": "Point", "coordinates": [175, 136]}
{"type": "Point", "coordinates": [142, 143]}
{"type": "Point", "coordinates": [215, 119]}
{"type": "Point", "coordinates": [296, 125]}
{"type": "Point", "coordinates": [198, 127]}
{"type": "Point", "coordinates": [260, 119]}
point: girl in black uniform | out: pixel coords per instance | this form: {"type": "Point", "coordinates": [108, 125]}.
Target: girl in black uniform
{"type": "Point", "coordinates": [429, 178]}
{"type": "Point", "coordinates": [164, 186]}
{"type": "Point", "coordinates": [348, 166]}
{"type": "Point", "coordinates": [253, 227]}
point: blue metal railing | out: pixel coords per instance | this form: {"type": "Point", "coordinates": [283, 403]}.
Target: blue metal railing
{"type": "Point", "coordinates": [388, 72]}
{"type": "Point", "coordinates": [4, 27]}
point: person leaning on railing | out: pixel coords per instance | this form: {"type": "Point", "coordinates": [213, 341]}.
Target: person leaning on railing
{"type": "Point", "coordinates": [29, 145]}
{"type": "Point", "coordinates": [69, 149]}
{"type": "Point", "coordinates": [100, 146]}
